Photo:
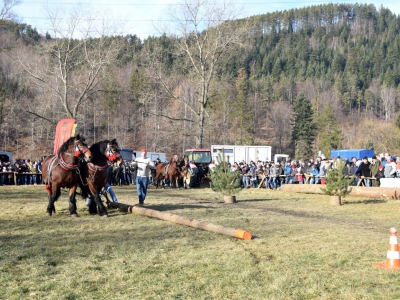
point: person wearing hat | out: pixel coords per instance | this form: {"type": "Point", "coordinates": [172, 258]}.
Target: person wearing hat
{"type": "Point", "coordinates": [143, 165]}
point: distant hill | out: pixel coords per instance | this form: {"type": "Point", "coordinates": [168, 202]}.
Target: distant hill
{"type": "Point", "coordinates": [347, 55]}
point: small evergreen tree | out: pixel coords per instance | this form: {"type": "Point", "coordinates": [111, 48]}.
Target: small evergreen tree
{"type": "Point", "coordinates": [223, 180]}
{"type": "Point", "coordinates": [337, 183]}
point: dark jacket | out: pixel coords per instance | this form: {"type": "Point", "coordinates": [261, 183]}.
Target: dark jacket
{"type": "Point", "coordinates": [363, 170]}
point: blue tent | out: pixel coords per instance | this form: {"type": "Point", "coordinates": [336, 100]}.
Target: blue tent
{"type": "Point", "coordinates": [349, 153]}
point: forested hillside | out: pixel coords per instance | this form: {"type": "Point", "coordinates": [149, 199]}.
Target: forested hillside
{"type": "Point", "coordinates": [302, 81]}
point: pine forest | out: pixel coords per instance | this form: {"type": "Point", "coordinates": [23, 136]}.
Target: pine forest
{"type": "Point", "coordinates": [302, 81]}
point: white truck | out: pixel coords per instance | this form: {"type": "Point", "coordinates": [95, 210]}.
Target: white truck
{"type": "Point", "coordinates": [154, 155]}
{"type": "Point", "coordinates": [237, 153]}
{"type": "Point", "coordinates": [129, 155]}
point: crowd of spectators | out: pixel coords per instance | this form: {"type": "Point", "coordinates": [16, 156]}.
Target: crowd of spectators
{"type": "Point", "coordinates": [26, 172]}
{"type": "Point", "coordinates": [365, 171]}
{"type": "Point", "coordinates": [121, 173]}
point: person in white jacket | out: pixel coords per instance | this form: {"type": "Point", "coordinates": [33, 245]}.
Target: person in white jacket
{"type": "Point", "coordinates": [390, 168]}
{"type": "Point", "coordinates": [143, 165]}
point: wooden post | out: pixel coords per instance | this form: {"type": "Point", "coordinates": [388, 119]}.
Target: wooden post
{"type": "Point", "coordinates": [335, 200]}
{"type": "Point", "coordinates": [238, 233]}
{"type": "Point", "coordinates": [361, 191]}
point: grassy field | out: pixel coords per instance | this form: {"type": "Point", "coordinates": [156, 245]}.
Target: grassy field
{"type": "Point", "coordinates": [302, 248]}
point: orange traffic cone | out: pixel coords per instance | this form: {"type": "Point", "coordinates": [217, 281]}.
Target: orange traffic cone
{"type": "Point", "coordinates": [393, 255]}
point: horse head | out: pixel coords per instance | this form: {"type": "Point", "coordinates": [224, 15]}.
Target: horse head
{"type": "Point", "coordinates": [112, 151]}
{"type": "Point", "coordinates": [81, 148]}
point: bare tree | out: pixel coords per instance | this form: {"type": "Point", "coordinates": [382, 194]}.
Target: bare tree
{"type": "Point", "coordinates": [204, 33]}
{"type": "Point", "coordinates": [279, 127]}
{"type": "Point", "coordinates": [388, 95]}
{"type": "Point", "coordinates": [69, 64]}
{"type": "Point", "coordinates": [6, 6]}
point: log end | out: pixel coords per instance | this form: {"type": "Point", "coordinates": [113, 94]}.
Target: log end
{"type": "Point", "coordinates": [243, 234]}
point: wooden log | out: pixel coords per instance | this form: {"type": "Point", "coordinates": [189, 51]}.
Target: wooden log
{"type": "Point", "coordinates": [238, 233]}
{"type": "Point", "coordinates": [367, 192]}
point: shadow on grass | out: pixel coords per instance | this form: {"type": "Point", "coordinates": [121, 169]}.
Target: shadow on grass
{"type": "Point", "coordinates": [368, 201]}
{"type": "Point", "coordinates": [257, 200]}
{"type": "Point", "coordinates": [167, 207]}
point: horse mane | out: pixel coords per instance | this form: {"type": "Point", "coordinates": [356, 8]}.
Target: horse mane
{"type": "Point", "coordinates": [100, 147]}
{"type": "Point", "coordinates": [64, 147]}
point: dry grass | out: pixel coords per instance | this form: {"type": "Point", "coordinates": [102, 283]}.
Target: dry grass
{"type": "Point", "coordinates": [302, 248]}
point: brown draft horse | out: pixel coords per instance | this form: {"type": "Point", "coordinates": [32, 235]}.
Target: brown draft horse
{"type": "Point", "coordinates": [62, 171]}
{"type": "Point", "coordinates": [94, 173]}
{"type": "Point", "coordinates": [159, 174]}
{"type": "Point", "coordinates": [176, 171]}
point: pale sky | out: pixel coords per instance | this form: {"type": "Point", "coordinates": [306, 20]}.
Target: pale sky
{"type": "Point", "coordinates": [142, 17]}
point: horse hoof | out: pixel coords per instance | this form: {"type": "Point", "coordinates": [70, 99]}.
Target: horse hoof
{"type": "Point", "coordinates": [105, 216]}
{"type": "Point", "coordinates": [74, 215]}
{"type": "Point", "coordinates": [48, 214]}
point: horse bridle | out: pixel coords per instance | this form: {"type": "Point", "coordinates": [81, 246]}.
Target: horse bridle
{"type": "Point", "coordinates": [79, 149]}
{"type": "Point", "coordinates": [112, 154]}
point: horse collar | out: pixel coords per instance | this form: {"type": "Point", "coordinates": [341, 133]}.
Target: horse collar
{"type": "Point", "coordinates": [96, 168]}
{"type": "Point", "coordinates": [66, 166]}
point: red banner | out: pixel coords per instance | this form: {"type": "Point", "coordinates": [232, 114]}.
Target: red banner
{"type": "Point", "coordinates": [64, 130]}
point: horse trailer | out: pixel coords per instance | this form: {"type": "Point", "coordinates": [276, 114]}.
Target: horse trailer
{"type": "Point", "coordinates": [154, 155]}
{"type": "Point", "coordinates": [129, 155]}
{"type": "Point", "coordinates": [235, 153]}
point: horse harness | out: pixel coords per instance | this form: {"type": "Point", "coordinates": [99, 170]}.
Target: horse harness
{"type": "Point", "coordinates": [95, 168]}
{"type": "Point", "coordinates": [59, 161]}
{"type": "Point", "coordinates": [166, 168]}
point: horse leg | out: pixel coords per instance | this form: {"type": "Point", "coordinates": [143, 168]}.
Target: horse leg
{"type": "Point", "coordinates": [155, 180]}
{"type": "Point", "coordinates": [49, 209]}
{"type": "Point", "coordinates": [100, 206]}
{"type": "Point", "coordinates": [92, 206]}
{"type": "Point", "coordinates": [53, 196]}
{"type": "Point", "coordinates": [186, 179]}
{"type": "Point", "coordinates": [72, 202]}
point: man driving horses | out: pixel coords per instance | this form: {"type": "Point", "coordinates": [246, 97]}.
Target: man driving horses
{"type": "Point", "coordinates": [176, 158]}
{"type": "Point", "coordinates": [144, 165]}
